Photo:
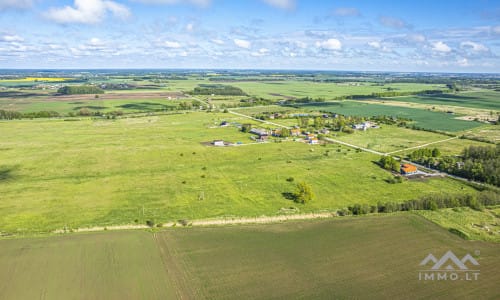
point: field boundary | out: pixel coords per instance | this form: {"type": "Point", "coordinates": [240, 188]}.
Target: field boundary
{"type": "Point", "coordinates": [209, 222]}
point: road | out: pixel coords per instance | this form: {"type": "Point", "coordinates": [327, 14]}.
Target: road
{"type": "Point", "coordinates": [259, 120]}
{"type": "Point", "coordinates": [354, 146]}
{"type": "Point", "coordinates": [424, 145]}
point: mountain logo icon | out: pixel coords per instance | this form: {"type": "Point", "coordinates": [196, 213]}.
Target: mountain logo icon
{"type": "Point", "coordinates": [449, 261]}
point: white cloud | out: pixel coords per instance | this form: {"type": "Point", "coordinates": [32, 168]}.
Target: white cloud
{"type": "Point", "coordinates": [441, 47]}
{"type": "Point", "coordinates": [87, 12]}
{"type": "Point", "coordinates": [261, 52]}
{"type": "Point", "coordinates": [417, 38]}
{"type": "Point", "coordinates": [190, 27]}
{"type": "Point", "coordinates": [374, 44]}
{"type": "Point", "coordinates": [476, 47]}
{"type": "Point", "coordinates": [330, 44]}
{"type": "Point", "coordinates": [393, 22]}
{"type": "Point", "coordinates": [300, 44]}
{"type": "Point", "coordinates": [347, 12]}
{"type": "Point", "coordinates": [171, 44]}
{"type": "Point", "coordinates": [201, 3]}
{"type": "Point", "coordinates": [242, 43]}
{"type": "Point", "coordinates": [12, 38]}
{"type": "Point", "coordinates": [16, 4]}
{"type": "Point", "coordinates": [283, 4]}
{"type": "Point", "coordinates": [217, 41]}
{"type": "Point", "coordinates": [463, 62]}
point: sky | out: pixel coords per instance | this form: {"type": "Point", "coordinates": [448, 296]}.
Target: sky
{"type": "Point", "coordinates": [382, 35]}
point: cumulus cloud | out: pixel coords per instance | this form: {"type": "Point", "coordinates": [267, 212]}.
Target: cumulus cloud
{"type": "Point", "coordinates": [87, 12]}
{"type": "Point", "coordinates": [282, 4]}
{"type": "Point", "coordinates": [242, 43]}
{"type": "Point", "coordinates": [441, 47]}
{"type": "Point", "coordinates": [330, 44]}
{"type": "Point", "coordinates": [463, 62]}
{"type": "Point", "coordinates": [171, 44]}
{"type": "Point", "coordinates": [393, 22]}
{"type": "Point", "coordinates": [201, 3]}
{"type": "Point", "coordinates": [261, 52]}
{"type": "Point", "coordinates": [16, 4]}
{"type": "Point", "coordinates": [346, 12]}
{"type": "Point", "coordinates": [375, 44]}
{"type": "Point", "coordinates": [476, 47]}
{"type": "Point", "coordinates": [11, 38]}
{"type": "Point", "coordinates": [217, 41]}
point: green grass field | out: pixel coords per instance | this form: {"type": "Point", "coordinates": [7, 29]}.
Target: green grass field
{"type": "Point", "coordinates": [57, 174]}
{"type": "Point", "coordinates": [375, 257]}
{"type": "Point", "coordinates": [423, 118]}
{"type": "Point", "coordinates": [484, 99]}
{"type": "Point", "coordinates": [477, 225]}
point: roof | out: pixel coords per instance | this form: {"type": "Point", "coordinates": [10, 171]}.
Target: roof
{"type": "Point", "coordinates": [408, 168]}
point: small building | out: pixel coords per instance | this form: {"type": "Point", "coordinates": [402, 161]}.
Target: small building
{"type": "Point", "coordinates": [276, 132]}
{"type": "Point", "coordinates": [408, 169]}
{"type": "Point", "coordinates": [260, 132]}
{"type": "Point", "coordinates": [218, 143]}
{"type": "Point", "coordinates": [295, 131]}
{"type": "Point", "coordinates": [310, 136]}
{"type": "Point", "coordinates": [224, 124]}
{"type": "Point", "coordinates": [313, 141]}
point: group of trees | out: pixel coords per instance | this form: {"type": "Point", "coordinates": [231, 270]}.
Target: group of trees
{"type": "Point", "coordinates": [218, 89]}
{"type": "Point", "coordinates": [79, 89]}
{"type": "Point", "coordinates": [428, 202]}
{"type": "Point", "coordinates": [479, 163]}
{"type": "Point", "coordinates": [389, 163]}
{"type": "Point", "coordinates": [12, 115]}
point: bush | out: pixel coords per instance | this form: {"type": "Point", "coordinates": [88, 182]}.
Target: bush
{"type": "Point", "coordinates": [150, 223]}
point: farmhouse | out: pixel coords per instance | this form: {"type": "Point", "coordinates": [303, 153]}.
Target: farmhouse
{"type": "Point", "coordinates": [408, 169]}
{"type": "Point", "coordinates": [295, 132]}
{"type": "Point", "coordinates": [364, 126]}
{"type": "Point", "coordinates": [218, 143]}
{"type": "Point", "coordinates": [313, 141]}
{"type": "Point", "coordinates": [259, 131]}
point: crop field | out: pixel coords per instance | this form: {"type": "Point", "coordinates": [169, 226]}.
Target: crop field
{"type": "Point", "coordinates": [483, 99]}
{"type": "Point", "coordinates": [476, 225]}
{"type": "Point", "coordinates": [328, 91]}
{"type": "Point", "coordinates": [57, 174]}
{"type": "Point", "coordinates": [452, 147]}
{"type": "Point", "coordinates": [111, 265]}
{"type": "Point", "coordinates": [364, 257]}
{"type": "Point", "coordinates": [425, 119]}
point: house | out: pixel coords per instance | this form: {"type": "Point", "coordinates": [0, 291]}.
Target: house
{"type": "Point", "coordinates": [324, 131]}
{"type": "Point", "coordinates": [276, 132]}
{"type": "Point", "coordinates": [260, 132]}
{"type": "Point", "coordinates": [313, 141]}
{"type": "Point", "coordinates": [362, 126]}
{"type": "Point", "coordinates": [218, 143]}
{"type": "Point", "coordinates": [262, 138]}
{"type": "Point", "coordinates": [295, 131]}
{"type": "Point", "coordinates": [408, 169]}
{"type": "Point", "coordinates": [310, 136]}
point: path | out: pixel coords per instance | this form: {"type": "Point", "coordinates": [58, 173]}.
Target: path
{"type": "Point", "coordinates": [259, 120]}
{"type": "Point", "coordinates": [424, 145]}
{"type": "Point", "coordinates": [354, 146]}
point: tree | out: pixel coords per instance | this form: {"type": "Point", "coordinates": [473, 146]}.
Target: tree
{"type": "Point", "coordinates": [246, 127]}
{"type": "Point", "coordinates": [285, 132]}
{"type": "Point", "coordinates": [318, 122]}
{"type": "Point", "coordinates": [304, 193]}
{"type": "Point", "coordinates": [303, 122]}
{"type": "Point", "coordinates": [436, 152]}
{"type": "Point", "coordinates": [389, 163]}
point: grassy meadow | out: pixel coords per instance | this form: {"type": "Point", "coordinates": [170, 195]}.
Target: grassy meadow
{"type": "Point", "coordinates": [57, 173]}
{"type": "Point", "coordinates": [422, 118]}
{"type": "Point", "coordinates": [375, 257]}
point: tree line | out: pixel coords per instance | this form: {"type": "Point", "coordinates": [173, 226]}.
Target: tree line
{"type": "Point", "coordinates": [479, 163]}
{"type": "Point", "coordinates": [80, 89]}
{"type": "Point", "coordinates": [218, 89]}
{"type": "Point", "coordinates": [428, 202]}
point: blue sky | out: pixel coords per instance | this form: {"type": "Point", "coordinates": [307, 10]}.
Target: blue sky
{"type": "Point", "coordinates": [438, 35]}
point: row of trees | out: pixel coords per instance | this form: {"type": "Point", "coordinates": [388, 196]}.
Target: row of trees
{"type": "Point", "coordinates": [218, 89]}
{"type": "Point", "coordinates": [428, 202]}
{"type": "Point", "coordinates": [479, 163]}
{"type": "Point", "coordinates": [80, 89]}
{"type": "Point", "coordinates": [12, 115]}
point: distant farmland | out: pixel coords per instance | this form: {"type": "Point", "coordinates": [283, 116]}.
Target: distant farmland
{"type": "Point", "coordinates": [423, 118]}
{"type": "Point", "coordinates": [374, 257]}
